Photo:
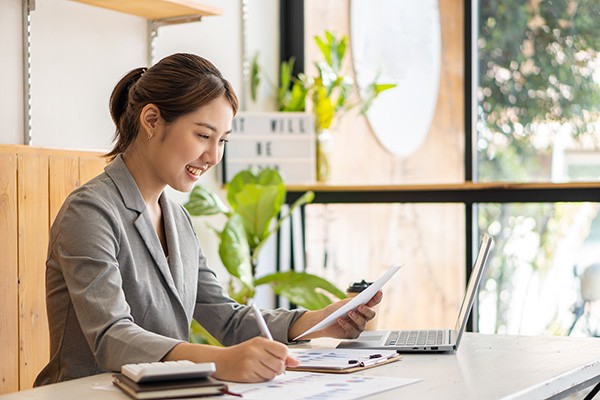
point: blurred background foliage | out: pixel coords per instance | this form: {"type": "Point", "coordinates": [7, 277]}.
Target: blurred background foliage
{"type": "Point", "coordinates": [538, 94]}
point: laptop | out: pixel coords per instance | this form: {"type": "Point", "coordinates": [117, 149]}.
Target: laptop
{"type": "Point", "coordinates": [437, 340]}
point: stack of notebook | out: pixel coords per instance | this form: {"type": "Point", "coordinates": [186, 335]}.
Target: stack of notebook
{"type": "Point", "coordinates": [170, 389]}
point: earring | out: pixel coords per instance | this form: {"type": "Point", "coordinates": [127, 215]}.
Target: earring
{"type": "Point", "coordinates": [149, 136]}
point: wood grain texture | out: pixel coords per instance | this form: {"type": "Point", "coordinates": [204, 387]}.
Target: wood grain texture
{"type": "Point", "coordinates": [32, 182]}
{"type": "Point", "coordinates": [349, 242]}
{"type": "Point", "coordinates": [90, 167]}
{"type": "Point", "coordinates": [9, 300]}
{"type": "Point", "coordinates": [63, 179]}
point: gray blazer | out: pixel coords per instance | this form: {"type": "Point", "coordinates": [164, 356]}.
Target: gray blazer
{"type": "Point", "coordinates": [113, 297]}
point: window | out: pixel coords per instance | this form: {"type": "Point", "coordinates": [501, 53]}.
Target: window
{"type": "Point", "coordinates": [537, 119]}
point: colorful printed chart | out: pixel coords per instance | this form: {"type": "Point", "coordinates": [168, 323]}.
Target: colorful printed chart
{"type": "Point", "coordinates": [317, 386]}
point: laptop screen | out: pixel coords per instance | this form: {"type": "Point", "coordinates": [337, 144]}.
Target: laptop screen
{"type": "Point", "coordinates": [474, 279]}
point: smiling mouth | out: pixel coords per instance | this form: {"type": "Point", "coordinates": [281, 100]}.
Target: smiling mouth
{"type": "Point", "coordinates": [195, 171]}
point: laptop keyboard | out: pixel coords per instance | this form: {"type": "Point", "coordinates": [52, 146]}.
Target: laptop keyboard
{"type": "Point", "coordinates": [416, 338]}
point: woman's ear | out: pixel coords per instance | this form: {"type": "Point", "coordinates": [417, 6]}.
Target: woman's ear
{"type": "Point", "coordinates": [150, 119]}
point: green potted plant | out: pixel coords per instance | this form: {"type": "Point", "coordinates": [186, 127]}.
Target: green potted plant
{"type": "Point", "coordinates": [255, 200]}
{"type": "Point", "coordinates": [332, 93]}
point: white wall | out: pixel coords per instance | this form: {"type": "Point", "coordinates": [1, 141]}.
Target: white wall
{"type": "Point", "coordinates": [263, 37]}
{"type": "Point", "coordinates": [11, 81]}
{"type": "Point", "coordinates": [79, 52]}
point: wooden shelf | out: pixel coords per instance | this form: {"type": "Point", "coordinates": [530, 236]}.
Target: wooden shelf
{"type": "Point", "coordinates": [157, 9]}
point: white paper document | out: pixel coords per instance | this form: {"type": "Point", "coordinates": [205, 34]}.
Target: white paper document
{"type": "Point", "coordinates": [362, 298]}
{"type": "Point", "coordinates": [340, 359]}
{"type": "Point", "coordinates": [311, 385]}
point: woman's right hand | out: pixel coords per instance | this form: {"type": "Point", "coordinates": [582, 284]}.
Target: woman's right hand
{"type": "Point", "coordinates": [255, 360]}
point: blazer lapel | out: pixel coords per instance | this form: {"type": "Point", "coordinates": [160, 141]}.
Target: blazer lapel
{"type": "Point", "coordinates": [132, 198]}
{"type": "Point", "coordinates": [146, 230]}
{"type": "Point", "coordinates": [173, 243]}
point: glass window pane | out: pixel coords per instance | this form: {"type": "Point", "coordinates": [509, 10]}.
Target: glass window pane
{"type": "Point", "coordinates": [350, 242]}
{"type": "Point", "coordinates": [543, 274]}
{"type": "Point", "coordinates": [538, 93]}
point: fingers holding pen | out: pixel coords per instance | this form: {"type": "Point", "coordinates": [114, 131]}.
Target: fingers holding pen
{"type": "Point", "coordinates": [276, 359]}
{"type": "Point", "coordinates": [280, 359]}
{"type": "Point", "coordinates": [254, 360]}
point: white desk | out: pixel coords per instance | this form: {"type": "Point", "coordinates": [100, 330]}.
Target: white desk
{"type": "Point", "coordinates": [485, 367]}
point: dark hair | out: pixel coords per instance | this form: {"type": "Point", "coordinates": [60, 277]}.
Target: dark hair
{"type": "Point", "coordinates": [177, 85]}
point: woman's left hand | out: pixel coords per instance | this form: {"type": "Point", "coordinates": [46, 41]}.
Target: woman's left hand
{"type": "Point", "coordinates": [347, 327]}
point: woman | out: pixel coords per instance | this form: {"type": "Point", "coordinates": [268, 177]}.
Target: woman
{"type": "Point", "coordinates": [125, 274]}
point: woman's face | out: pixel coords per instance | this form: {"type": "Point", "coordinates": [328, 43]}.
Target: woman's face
{"type": "Point", "coordinates": [192, 145]}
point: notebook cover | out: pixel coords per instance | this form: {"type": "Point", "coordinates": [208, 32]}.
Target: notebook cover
{"type": "Point", "coordinates": [169, 389]}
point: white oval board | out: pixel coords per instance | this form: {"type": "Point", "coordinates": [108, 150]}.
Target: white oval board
{"type": "Point", "coordinates": [398, 41]}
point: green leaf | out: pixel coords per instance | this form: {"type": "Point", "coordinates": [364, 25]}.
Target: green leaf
{"type": "Point", "coordinates": [203, 202]}
{"type": "Point", "coordinates": [257, 206]}
{"type": "Point", "coordinates": [301, 288]}
{"type": "Point", "coordinates": [237, 183]}
{"type": "Point", "coordinates": [257, 198]}
{"type": "Point", "coordinates": [332, 49]}
{"type": "Point", "coordinates": [291, 94]}
{"type": "Point", "coordinates": [371, 92]}
{"type": "Point", "coordinates": [325, 49]}
{"type": "Point", "coordinates": [304, 199]}
{"type": "Point", "coordinates": [297, 101]}
{"type": "Point", "coordinates": [341, 51]}
{"type": "Point", "coordinates": [285, 80]}
{"type": "Point", "coordinates": [345, 86]}
{"type": "Point", "coordinates": [254, 77]}
{"type": "Point", "coordinates": [198, 334]}
{"type": "Point", "coordinates": [270, 176]}
{"type": "Point", "coordinates": [382, 87]}
{"type": "Point", "coordinates": [235, 252]}
{"type": "Point", "coordinates": [239, 292]}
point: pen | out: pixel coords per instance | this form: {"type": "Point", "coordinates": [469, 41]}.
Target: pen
{"type": "Point", "coordinates": [264, 329]}
{"type": "Point", "coordinates": [375, 361]}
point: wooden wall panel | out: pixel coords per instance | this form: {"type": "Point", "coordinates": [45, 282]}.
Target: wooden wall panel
{"type": "Point", "coordinates": [63, 179]}
{"type": "Point", "coordinates": [33, 242]}
{"type": "Point", "coordinates": [90, 167]}
{"type": "Point", "coordinates": [361, 241]}
{"type": "Point", "coordinates": [34, 182]}
{"type": "Point", "coordinates": [9, 306]}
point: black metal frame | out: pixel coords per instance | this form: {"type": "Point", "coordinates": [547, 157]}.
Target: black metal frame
{"type": "Point", "coordinates": [291, 29]}
{"type": "Point", "coordinates": [470, 154]}
{"type": "Point", "coordinates": [469, 196]}
{"type": "Point", "coordinates": [472, 194]}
